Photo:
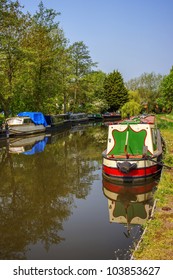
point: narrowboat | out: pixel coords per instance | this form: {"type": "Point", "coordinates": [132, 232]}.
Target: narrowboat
{"type": "Point", "coordinates": [26, 123]}
{"type": "Point", "coordinates": [59, 122]}
{"type": "Point", "coordinates": [111, 116]}
{"type": "Point", "coordinates": [134, 151]}
{"type": "Point", "coordinates": [95, 117]}
{"type": "Point", "coordinates": [78, 118]}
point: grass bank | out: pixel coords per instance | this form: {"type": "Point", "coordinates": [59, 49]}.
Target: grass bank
{"type": "Point", "coordinates": [157, 242]}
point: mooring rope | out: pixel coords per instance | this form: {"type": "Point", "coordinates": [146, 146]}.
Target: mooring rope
{"type": "Point", "coordinates": [159, 163]}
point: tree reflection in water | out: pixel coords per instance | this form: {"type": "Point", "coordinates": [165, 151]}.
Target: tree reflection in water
{"type": "Point", "coordinates": [37, 191]}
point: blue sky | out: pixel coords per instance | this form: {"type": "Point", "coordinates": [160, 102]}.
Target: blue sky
{"type": "Point", "coordinates": [131, 36]}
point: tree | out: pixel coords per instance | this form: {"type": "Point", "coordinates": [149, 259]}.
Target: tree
{"type": "Point", "coordinates": [133, 106]}
{"type": "Point", "coordinates": [43, 46]}
{"type": "Point", "coordinates": [38, 70]}
{"type": "Point", "coordinates": [64, 76]}
{"type": "Point", "coordinates": [165, 99]}
{"type": "Point", "coordinates": [116, 93]}
{"type": "Point", "coordinates": [147, 86]}
{"type": "Point", "coordinates": [82, 64]}
{"type": "Point", "coordinates": [92, 92]}
{"type": "Point", "coordinates": [45, 17]}
{"type": "Point", "coordinates": [12, 25]}
{"type": "Point", "coordinates": [134, 95]}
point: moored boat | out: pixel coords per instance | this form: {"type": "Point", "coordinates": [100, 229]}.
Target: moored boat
{"type": "Point", "coordinates": [134, 151]}
{"type": "Point", "coordinates": [95, 117]}
{"type": "Point", "coordinates": [111, 116]}
{"type": "Point", "coordinates": [78, 118]}
{"type": "Point", "coordinates": [26, 123]}
{"type": "Point", "coordinates": [58, 122]}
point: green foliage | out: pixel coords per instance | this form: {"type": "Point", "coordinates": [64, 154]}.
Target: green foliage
{"type": "Point", "coordinates": [82, 65]}
{"type": "Point", "coordinates": [130, 108]}
{"type": "Point", "coordinates": [13, 24]}
{"type": "Point", "coordinates": [147, 86]}
{"type": "Point", "coordinates": [116, 93]}
{"type": "Point", "coordinates": [82, 62]}
{"type": "Point", "coordinates": [163, 123]}
{"type": "Point", "coordinates": [40, 71]}
{"type": "Point", "coordinates": [1, 118]}
{"type": "Point", "coordinates": [169, 159]}
{"type": "Point", "coordinates": [134, 95]}
{"type": "Point", "coordinates": [92, 93]}
{"type": "Point", "coordinates": [166, 90]}
{"type": "Point", "coordinates": [133, 106]}
{"type": "Point", "coordinates": [45, 17]}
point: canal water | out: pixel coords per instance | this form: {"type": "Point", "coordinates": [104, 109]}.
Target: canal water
{"type": "Point", "coordinates": [55, 205]}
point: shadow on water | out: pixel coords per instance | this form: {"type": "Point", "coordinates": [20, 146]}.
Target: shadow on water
{"type": "Point", "coordinates": [52, 204]}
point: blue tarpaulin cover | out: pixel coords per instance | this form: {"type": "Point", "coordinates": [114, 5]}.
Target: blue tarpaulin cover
{"type": "Point", "coordinates": [36, 117]}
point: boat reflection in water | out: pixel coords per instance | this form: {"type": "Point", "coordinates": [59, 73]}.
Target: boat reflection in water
{"type": "Point", "coordinates": [27, 145]}
{"type": "Point", "coordinates": [129, 205]}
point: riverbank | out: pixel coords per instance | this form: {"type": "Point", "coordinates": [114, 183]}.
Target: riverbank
{"type": "Point", "coordinates": [157, 241]}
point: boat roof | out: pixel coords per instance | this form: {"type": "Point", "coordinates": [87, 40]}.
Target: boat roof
{"type": "Point", "coordinates": [149, 119]}
{"type": "Point", "coordinates": [36, 117]}
{"type": "Point", "coordinates": [17, 117]}
{"type": "Point", "coordinates": [78, 114]}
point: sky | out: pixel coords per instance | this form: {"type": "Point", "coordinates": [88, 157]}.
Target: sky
{"type": "Point", "coordinates": [131, 36]}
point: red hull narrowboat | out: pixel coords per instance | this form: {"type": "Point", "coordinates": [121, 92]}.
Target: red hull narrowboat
{"type": "Point", "coordinates": [134, 151]}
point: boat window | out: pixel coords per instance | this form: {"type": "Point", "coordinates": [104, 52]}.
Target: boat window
{"type": "Point", "coordinates": [27, 121]}
{"type": "Point", "coordinates": [14, 121]}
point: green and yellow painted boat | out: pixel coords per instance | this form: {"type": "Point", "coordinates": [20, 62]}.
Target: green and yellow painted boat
{"type": "Point", "coordinates": [134, 151]}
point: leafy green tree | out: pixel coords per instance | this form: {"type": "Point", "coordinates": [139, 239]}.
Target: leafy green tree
{"type": "Point", "coordinates": [147, 86]}
{"type": "Point", "coordinates": [97, 102]}
{"type": "Point", "coordinates": [92, 92]}
{"type": "Point", "coordinates": [43, 46]}
{"type": "Point", "coordinates": [64, 76]}
{"type": "Point", "coordinates": [133, 106]}
{"type": "Point", "coordinates": [82, 65]}
{"type": "Point", "coordinates": [116, 93]}
{"type": "Point", "coordinates": [12, 25]}
{"type": "Point", "coordinates": [165, 101]}
{"type": "Point", "coordinates": [39, 71]}
{"type": "Point", "coordinates": [46, 17]}
{"type": "Point", "coordinates": [134, 95]}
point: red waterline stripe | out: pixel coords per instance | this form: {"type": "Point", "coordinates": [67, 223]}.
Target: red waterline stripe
{"type": "Point", "coordinates": [133, 173]}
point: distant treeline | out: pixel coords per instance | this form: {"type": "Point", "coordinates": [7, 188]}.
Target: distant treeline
{"type": "Point", "coordinates": [41, 71]}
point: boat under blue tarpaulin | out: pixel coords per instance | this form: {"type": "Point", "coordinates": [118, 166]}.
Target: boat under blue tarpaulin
{"type": "Point", "coordinates": [36, 117]}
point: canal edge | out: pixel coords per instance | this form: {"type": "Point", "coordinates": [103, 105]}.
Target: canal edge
{"type": "Point", "coordinates": [141, 238]}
